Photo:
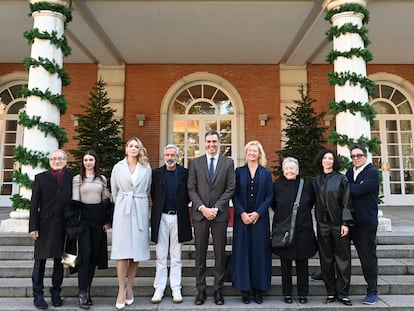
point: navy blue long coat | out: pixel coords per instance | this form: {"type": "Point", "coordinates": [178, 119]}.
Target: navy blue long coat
{"type": "Point", "coordinates": [252, 256]}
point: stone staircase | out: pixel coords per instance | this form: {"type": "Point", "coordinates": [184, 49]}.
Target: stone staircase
{"type": "Point", "coordinates": [396, 280]}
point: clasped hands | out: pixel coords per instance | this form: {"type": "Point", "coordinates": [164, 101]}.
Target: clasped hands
{"type": "Point", "coordinates": [209, 213]}
{"type": "Point", "coordinates": [250, 218]}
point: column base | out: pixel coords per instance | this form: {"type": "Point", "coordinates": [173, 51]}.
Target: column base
{"type": "Point", "coordinates": [18, 222]}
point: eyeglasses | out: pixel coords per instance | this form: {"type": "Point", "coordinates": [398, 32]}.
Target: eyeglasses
{"type": "Point", "coordinates": [357, 156]}
{"type": "Point", "coordinates": [57, 159]}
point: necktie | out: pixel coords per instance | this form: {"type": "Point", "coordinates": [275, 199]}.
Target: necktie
{"type": "Point", "coordinates": [211, 170]}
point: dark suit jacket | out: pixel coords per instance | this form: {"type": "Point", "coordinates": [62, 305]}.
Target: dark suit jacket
{"type": "Point", "coordinates": [182, 200]}
{"type": "Point", "coordinates": [216, 194]}
{"type": "Point", "coordinates": [364, 194]}
{"type": "Point", "coordinates": [47, 207]}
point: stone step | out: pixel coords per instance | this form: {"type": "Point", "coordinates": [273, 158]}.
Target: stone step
{"type": "Point", "coordinates": [384, 238]}
{"type": "Point", "coordinates": [25, 252]}
{"type": "Point", "coordinates": [233, 303]}
{"type": "Point", "coordinates": [23, 268]}
{"type": "Point", "coordinates": [108, 286]}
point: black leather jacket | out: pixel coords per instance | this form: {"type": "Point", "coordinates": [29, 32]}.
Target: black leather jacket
{"type": "Point", "coordinates": [333, 201]}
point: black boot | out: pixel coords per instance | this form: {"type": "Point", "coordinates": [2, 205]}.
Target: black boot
{"type": "Point", "coordinates": [39, 301]}
{"type": "Point", "coordinates": [88, 296]}
{"type": "Point", "coordinates": [83, 300]}
{"type": "Point", "coordinates": [56, 299]}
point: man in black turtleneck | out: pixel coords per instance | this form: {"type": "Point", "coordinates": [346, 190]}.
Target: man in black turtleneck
{"type": "Point", "coordinates": [51, 191]}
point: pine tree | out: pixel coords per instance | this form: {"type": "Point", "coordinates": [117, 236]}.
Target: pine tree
{"type": "Point", "coordinates": [303, 135]}
{"type": "Point", "coordinates": [98, 130]}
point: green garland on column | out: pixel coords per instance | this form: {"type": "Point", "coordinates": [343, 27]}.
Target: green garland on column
{"type": "Point", "coordinates": [341, 78]}
{"type": "Point", "coordinates": [23, 156]}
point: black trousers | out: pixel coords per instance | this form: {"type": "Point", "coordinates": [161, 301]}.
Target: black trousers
{"type": "Point", "coordinates": [335, 258]}
{"type": "Point", "coordinates": [89, 246]}
{"type": "Point", "coordinates": [365, 241]}
{"type": "Point", "coordinates": [302, 276]}
{"type": "Point", "coordinates": [38, 275]}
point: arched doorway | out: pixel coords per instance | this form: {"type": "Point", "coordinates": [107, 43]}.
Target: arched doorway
{"type": "Point", "coordinates": [11, 135]}
{"type": "Point", "coordinates": [197, 103]}
{"type": "Point", "coordinates": [394, 126]}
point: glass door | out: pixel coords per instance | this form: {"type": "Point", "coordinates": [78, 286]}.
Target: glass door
{"type": "Point", "coordinates": [395, 159]}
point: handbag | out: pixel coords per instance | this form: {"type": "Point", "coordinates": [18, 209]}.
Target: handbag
{"type": "Point", "coordinates": [69, 260]}
{"type": "Point", "coordinates": [283, 232]}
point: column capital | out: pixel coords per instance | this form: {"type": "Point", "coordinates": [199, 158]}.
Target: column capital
{"type": "Point", "coordinates": [333, 4]}
{"type": "Point", "coordinates": [66, 3]}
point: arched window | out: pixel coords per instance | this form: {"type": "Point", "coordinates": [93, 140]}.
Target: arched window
{"type": "Point", "coordinates": [11, 103]}
{"type": "Point", "coordinates": [394, 126]}
{"type": "Point", "coordinates": [195, 106]}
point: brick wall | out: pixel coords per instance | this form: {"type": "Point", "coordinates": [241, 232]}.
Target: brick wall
{"type": "Point", "coordinates": [146, 85]}
{"type": "Point", "coordinates": [258, 86]}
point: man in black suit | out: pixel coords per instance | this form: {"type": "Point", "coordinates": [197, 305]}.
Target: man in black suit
{"type": "Point", "coordinates": [211, 184]}
{"type": "Point", "coordinates": [170, 222]}
{"type": "Point", "coordinates": [51, 191]}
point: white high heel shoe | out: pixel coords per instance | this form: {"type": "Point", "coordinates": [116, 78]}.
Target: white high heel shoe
{"type": "Point", "coordinates": [129, 302]}
{"type": "Point", "coordinates": [120, 306]}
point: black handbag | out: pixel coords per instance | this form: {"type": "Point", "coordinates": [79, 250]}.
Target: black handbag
{"type": "Point", "coordinates": [283, 232]}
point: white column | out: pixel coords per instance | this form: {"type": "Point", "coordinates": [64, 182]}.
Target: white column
{"type": "Point", "coordinates": [40, 78]}
{"type": "Point", "coordinates": [351, 125]}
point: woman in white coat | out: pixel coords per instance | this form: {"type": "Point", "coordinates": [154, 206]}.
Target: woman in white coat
{"type": "Point", "coordinates": [130, 186]}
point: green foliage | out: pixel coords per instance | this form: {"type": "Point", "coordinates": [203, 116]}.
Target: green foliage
{"type": "Point", "coordinates": [304, 135]}
{"type": "Point", "coordinates": [54, 7]}
{"type": "Point", "coordinates": [55, 99]}
{"type": "Point", "coordinates": [48, 128]}
{"type": "Point", "coordinates": [347, 28]}
{"type": "Point", "coordinates": [22, 179]}
{"type": "Point", "coordinates": [49, 65]}
{"type": "Point", "coordinates": [354, 79]}
{"type": "Point", "coordinates": [343, 140]}
{"type": "Point", "coordinates": [98, 131]}
{"type": "Point", "coordinates": [61, 43]}
{"type": "Point", "coordinates": [365, 109]}
{"type": "Point", "coordinates": [31, 157]}
{"type": "Point", "coordinates": [349, 7]}
{"type": "Point", "coordinates": [18, 202]}
{"type": "Point", "coordinates": [353, 52]}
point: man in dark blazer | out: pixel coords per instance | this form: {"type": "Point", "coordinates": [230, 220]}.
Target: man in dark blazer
{"type": "Point", "coordinates": [364, 187]}
{"type": "Point", "coordinates": [170, 222]}
{"type": "Point", "coordinates": [51, 191]}
{"type": "Point", "coordinates": [211, 184]}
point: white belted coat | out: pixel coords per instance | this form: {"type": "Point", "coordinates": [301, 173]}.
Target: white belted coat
{"type": "Point", "coordinates": [130, 227]}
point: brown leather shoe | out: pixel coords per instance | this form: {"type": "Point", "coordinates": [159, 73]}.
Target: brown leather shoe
{"type": "Point", "coordinates": [201, 298]}
{"type": "Point", "coordinates": [218, 298]}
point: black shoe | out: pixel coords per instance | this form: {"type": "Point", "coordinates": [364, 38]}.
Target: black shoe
{"type": "Point", "coordinates": [303, 299]}
{"type": "Point", "coordinates": [218, 298]}
{"type": "Point", "coordinates": [56, 300]}
{"type": "Point", "coordinates": [258, 297]}
{"type": "Point", "coordinates": [83, 300]}
{"type": "Point", "coordinates": [40, 302]}
{"type": "Point", "coordinates": [288, 299]}
{"type": "Point", "coordinates": [201, 298]}
{"type": "Point", "coordinates": [345, 300]}
{"type": "Point", "coordinates": [88, 296]}
{"type": "Point", "coordinates": [246, 297]}
{"type": "Point", "coordinates": [330, 298]}
{"type": "Point", "coordinates": [316, 276]}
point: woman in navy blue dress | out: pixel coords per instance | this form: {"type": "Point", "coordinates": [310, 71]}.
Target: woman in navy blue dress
{"type": "Point", "coordinates": [252, 255]}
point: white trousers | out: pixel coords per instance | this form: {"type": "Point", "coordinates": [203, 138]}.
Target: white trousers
{"type": "Point", "coordinates": [168, 240]}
